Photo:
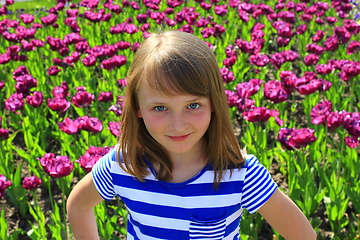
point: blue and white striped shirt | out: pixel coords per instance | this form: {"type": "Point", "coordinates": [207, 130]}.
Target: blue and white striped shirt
{"type": "Point", "coordinates": [188, 210]}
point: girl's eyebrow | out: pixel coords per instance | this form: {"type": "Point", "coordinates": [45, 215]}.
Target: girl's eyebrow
{"type": "Point", "coordinates": [162, 103]}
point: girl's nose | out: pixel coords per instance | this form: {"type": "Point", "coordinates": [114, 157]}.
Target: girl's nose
{"type": "Point", "coordinates": [178, 122]}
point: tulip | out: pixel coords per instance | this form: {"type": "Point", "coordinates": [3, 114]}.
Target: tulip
{"type": "Point", "coordinates": [232, 97]}
{"type": "Point", "coordinates": [229, 62]}
{"type": "Point", "coordinates": [27, 18]}
{"type": "Point", "coordinates": [335, 119]}
{"type": "Point", "coordinates": [60, 91]}
{"type": "Point", "coordinates": [311, 59]}
{"type": "Point", "coordinates": [32, 182]}
{"type": "Point", "coordinates": [82, 99]}
{"type": "Point", "coordinates": [114, 128]}
{"type": "Point", "coordinates": [49, 19]}
{"type": "Point", "coordinates": [113, 62]}
{"type": "Point", "coordinates": [105, 97]}
{"type": "Point", "coordinates": [244, 104]}
{"type": "Point", "coordinates": [58, 104]}
{"type": "Point", "coordinates": [296, 138]}
{"type": "Point", "coordinates": [91, 156]}
{"type": "Point", "coordinates": [320, 112]}
{"type": "Point", "coordinates": [289, 55]}
{"type": "Point", "coordinates": [69, 126]}
{"type": "Point", "coordinates": [4, 133]}
{"type": "Point", "coordinates": [15, 102]}
{"type": "Point", "coordinates": [89, 60]}
{"type": "Point", "coordinates": [277, 60]}
{"type": "Point", "coordinates": [227, 75]}
{"type": "Point", "coordinates": [247, 89]}
{"type": "Point", "coordinates": [53, 70]}
{"type": "Point", "coordinates": [56, 166]}
{"type": "Point", "coordinates": [92, 124]}
{"type": "Point", "coordinates": [259, 60]}
{"type": "Point", "coordinates": [259, 114]}
{"type": "Point", "coordinates": [318, 36]}
{"type": "Point", "coordinates": [352, 124]}
{"type": "Point", "coordinates": [2, 84]}
{"type": "Point", "coordinates": [324, 68]}
{"type": "Point", "coordinates": [351, 142]}
{"type": "Point", "coordinates": [4, 184]}
{"type": "Point", "coordinates": [35, 100]}
{"type": "Point", "coordinates": [274, 91]}
{"type": "Point", "coordinates": [220, 10]}
{"type": "Point", "coordinates": [331, 43]}
{"type": "Point", "coordinates": [353, 47]}
{"type": "Point", "coordinates": [118, 107]}
{"type": "Point", "coordinates": [301, 29]}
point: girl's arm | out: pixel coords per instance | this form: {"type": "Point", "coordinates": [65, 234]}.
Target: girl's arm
{"type": "Point", "coordinates": [82, 199]}
{"type": "Point", "coordinates": [286, 218]}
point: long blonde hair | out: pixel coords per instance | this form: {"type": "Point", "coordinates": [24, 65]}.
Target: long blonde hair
{"type": "Point", "coordinates": [176, 62]}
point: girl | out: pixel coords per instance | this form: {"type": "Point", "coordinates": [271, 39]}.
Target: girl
{"type": "Point", "coordinates": [178, 166]}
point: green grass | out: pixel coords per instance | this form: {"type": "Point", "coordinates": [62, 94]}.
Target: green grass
{"type": "Point", "coordinates": [36, 4]}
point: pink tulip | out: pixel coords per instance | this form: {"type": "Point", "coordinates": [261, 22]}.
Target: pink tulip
{"type": "Point", "coordinates": [4, 134]}
{"type": "Point", "coordinates": [274, 91]}
{"type": "Point", "coordinates": [259, 60]}
{"type": "Point", "coordinates": [56, 166]}
{"type": "Point", "coordinates": [90, 124]}
{"type": "Point", "coordinates": [105, 97]}
{"type": "Point", "coordinates": [351, 142]}
{"type": "Point", "coordinates": [247, 89]}
{"type": "Point", "coordinates": [227, 75]}
{"type": "Point", "coordinates": [69, 126]}
{"type": "Point", "coordinates": [15, 102]}
{"type": "Point", "coordinates": [114, 128]}
{"type": "Point", "coordinates": [4, 184]}
{"type": "Point", "coordinates": [91, 156]}
{"type": "Point", "coordinates": [35, 100]}
{"type": "Point", "coordinates": [113, 62]}
{"type": "Point", "coordinates": [320, 112]}
{"type": "Point", "coordinates": [32, 182]}
{"type": "Point", "coordinates": [296, 138]}
{"type": "Point", "coordinates": [82, 98]}
{"type": "Point", "coordinates": [58, 104]}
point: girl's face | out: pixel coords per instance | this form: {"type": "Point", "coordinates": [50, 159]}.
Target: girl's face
{"type": "Point", "coordinates": [177, 122]}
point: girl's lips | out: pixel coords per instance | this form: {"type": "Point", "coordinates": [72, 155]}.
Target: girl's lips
{"type": "Point", "coordinates": [179, 138]}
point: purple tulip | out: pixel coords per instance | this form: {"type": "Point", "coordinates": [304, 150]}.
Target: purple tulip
{"type": "Point", "coordinates": [82, 99]}
{"type": "Point", "coordinates": [352, 124]}
{"type": "Point", "coordinates": [331, 43]}
{"type": "Point", "coordinates": [274, 91]}
{"type": "Point", "coordinates": [55, 43]}
{"type": "Point", "coordinates": [244, 104]}
{"type": "Point", "coordinates": [114, 128]}
{"type": "Point", "coordinates": [118, 107]}
{"type": "Point", "coordinates": [289, 55]}
{"type": "Point", "coordinates": [49, 19]}
{"type": "Point", "coordinates": [4, 134]}
{"type": "Point", "coordinates": [259, 114]}
{"type": "Point", "coordinates": [335, 119]}
{"type": "Point", "coordinates": [113, 62]}
{"type": "Point", "coordinates": [91, 156]}
{"type": "Point", "coordinates": [53, 70]}
{"type": "Point", "coordinates": [105, 97]}
{"type": "Point", "coordinates": [318, 36]}
{"type": "Point", "coordinates": [320, 112]}
{"type": "Point", "coordinates": [227, 75]}
{"type": "Point", "coordinates": [90, 124]}
{"type": "Point", "coordinates": [89, 60]}
{"type": "Point", "coordinates": [277, 60]}
{"type": "Point", "coordinates": [259, 60]}
{"type": "Point", "coordinates": [229, 62]}
{"type": "Point", "coordinates": [5, 58]}
{"type": "Point", "coordinates": [351, 142]}
{"type": "Point", "coordinates": [69, 126]}
{"type": "Point", "coordinates": [15, 102]}
{"type": "Point", "coordinates": [27, 18]}
{"type": "Point", "coordinates": [353, 47]}
{"type": "Point", "coordinates": [56, 166]}
{"type": "Point", "coordinates": [311, 59]}
{"type": "Point", "coordinates": [2, 84]}
{"type": "Point", "coordinates": [58, 104]}
{"type": "Point", "coordinates": [324, 68]}
{"type": "Point", "coordinates": [220, 10]}
{"type": "Point", "coordinates": [247, 89]}
{"type": "Point", "coordinates": [4, 184]}
{"type": "Point", "coordinates": [296, 138]}
{"type": "Point", "coordinates": [60, 91]}
{"type": "Point", "coordinates": [32, 182]}
{"type": "Point", "coordinates": [35, 100]}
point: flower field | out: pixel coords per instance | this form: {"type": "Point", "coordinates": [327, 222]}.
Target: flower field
{"type": "Point", "coordinates": [292, 75]}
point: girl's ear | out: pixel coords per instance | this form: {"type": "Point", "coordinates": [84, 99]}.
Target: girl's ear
{"type": "Point", "coordinates": [138, 113]}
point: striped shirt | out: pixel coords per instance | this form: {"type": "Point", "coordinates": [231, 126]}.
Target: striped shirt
{"type": "Point", "coordinates": [189, 210]}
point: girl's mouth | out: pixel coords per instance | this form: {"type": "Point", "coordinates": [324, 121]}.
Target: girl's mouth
{"type": "Point", "coordinates": [179, 138]}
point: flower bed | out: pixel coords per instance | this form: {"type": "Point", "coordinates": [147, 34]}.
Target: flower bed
{"type": "Point", "coordinates": [292, 75]}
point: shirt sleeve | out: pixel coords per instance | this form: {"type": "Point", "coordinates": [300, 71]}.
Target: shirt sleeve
{"type": "Point", "coordinates": [258, 185]}
{"type": "Point", "coordinates": [102, 177]}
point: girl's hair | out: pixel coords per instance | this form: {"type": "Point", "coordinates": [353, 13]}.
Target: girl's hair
{"type": "Point", "coordinates": [176, 62]}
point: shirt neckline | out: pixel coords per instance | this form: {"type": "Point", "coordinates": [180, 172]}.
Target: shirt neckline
{"type": "Point", "coordinates": [169, 184]}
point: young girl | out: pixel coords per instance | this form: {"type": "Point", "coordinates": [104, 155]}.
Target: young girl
{"type": "Point", "coordinates": [178, 166]}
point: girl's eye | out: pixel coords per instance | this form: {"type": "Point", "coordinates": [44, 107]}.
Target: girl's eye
{"type": "Point", "coordinates": [194, 105]}
{"type": "Point", "coordinates": [160, 108]}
